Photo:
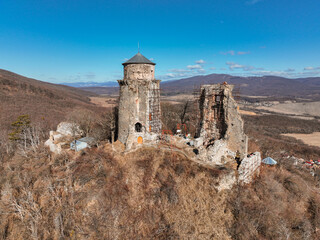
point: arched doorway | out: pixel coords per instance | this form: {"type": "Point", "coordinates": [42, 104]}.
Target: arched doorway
{"type": "Point", "coordinates": [138, 127]}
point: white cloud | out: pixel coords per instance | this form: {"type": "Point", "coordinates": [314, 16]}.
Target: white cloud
{"type": "Point", "coordinates": [170, 75]}
{"type": "Point", "coordinates": [201, 70]}
{"type": "Point", "coordinates": [191, 70]}
{"type": "Point", "coordinates": [79, 77]}
{"type": "Point", "coordinates": [212, 68]}
{"type": "Point", "coordinates": [197, 66]}
{"type": "Point", "coordinates": [243, 53]}
{"type": "Point", "coordinates": [175, 76]}
{"type": "Point", "coordinates": [233, 66]}
{"type": "Point", "coordinates": [231, 52]}
{"type": "Point", "coordinates": [273, 73]}
{"type": "Point", "coordinates": [201, 61]}
{"type": "Point", "coordinates": [290, 70]}
{"type": "Point", "coordinates": [311, 68]}
{"type": "Point", "coordinates": [308, 68]}
{"type": "Point", "coordinates": [177, 70]}
{"type": "Point", "coordinates": [285, 73]}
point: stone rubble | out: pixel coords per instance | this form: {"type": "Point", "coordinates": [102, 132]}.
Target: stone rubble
{"type": "Point", "coordinates": [60, 139]}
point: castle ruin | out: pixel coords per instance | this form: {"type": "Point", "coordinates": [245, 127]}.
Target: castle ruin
{"type": "Point", "coordinates": [220, 137]}
{"type": "Point", "coordinates": [139, 103]}
{"type": "Point", "coordinates": [220, 131]}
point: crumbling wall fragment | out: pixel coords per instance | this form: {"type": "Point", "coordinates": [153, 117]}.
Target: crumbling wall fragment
{"type": "Point", "coordinates": [220, 129]}
{"type": "Point", "coordinates": [249, 167]}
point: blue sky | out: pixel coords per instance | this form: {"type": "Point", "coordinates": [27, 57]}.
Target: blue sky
{"type": "Point", "coordinates": [87, 40]}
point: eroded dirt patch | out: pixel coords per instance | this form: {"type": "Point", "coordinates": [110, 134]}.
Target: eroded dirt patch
{"type": "Point", "coordinates": [310, 139]}
{"type": "Point", "coordinates": [106, 102]}
{"type": "Point", "coordinates": [293, 108]}
{"type": "Point", "coordinates": [244, 112]}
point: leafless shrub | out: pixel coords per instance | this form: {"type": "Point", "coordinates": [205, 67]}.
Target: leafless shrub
{"type": "Point", "coordinates": [274, 207]}
{"type": "Point", "coordinates": [100, 125]}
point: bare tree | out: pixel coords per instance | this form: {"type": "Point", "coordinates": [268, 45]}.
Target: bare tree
{"type": "Point", "coordinates": [84, 118]}
{"type": "Point", "coordinates": [25, 135]}
{"type": "Point", "coordinates": [183, 112]}
{"type": "Point", "coordinates": [25, 208]}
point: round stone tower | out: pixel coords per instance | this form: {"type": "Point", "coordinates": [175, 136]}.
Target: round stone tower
{"type": "Point", "coordinates": [139, 104]}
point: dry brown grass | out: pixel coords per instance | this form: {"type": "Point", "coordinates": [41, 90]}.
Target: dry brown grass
{"type": "Point", "coordinates": [265, 134]}
{"type": "Point", "coordinates": [282, 204]}
{"type": "Point", "coordinates": [147, 194]}
{"type": "Point", "coordinates": [45, 103]}
{"type": "Point", "coordinates": [312, 139]}
{"type": "Point", "coordinates": [154, 194]}
{"type": "Point", "coordinates": [105, 102]}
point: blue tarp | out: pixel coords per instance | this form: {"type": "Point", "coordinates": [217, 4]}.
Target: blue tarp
{"type": "Point", "coordinates": [81, 143]}
{"type": "Point", "coordinates": [77, 145]}
{"type": "Point", "coordinates": [269, 161]}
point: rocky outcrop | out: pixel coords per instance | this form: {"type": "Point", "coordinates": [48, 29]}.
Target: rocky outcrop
{"type": "Point", "coordinates": [60, 139]}
{"type": "Point", "coordinates": [69, 129]}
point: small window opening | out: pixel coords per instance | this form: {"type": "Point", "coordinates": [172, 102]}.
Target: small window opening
{"type": "Point", "coordinates": [138, 127]}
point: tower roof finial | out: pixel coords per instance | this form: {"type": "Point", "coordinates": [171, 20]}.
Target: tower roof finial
{"type": "Point", "coordinates": [138, 47]}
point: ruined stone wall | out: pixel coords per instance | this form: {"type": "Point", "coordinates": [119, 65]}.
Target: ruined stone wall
{"type": "Point", "coordinates": [154, 116]}
{"type": "Point", "coordinates": [212, 117]}
{"type": "Point", "coordinates": [220, 119]}
{"type": "Point", "coordinates": [235, 136]}
{"type": "Point", "coordinates": [250, 167]}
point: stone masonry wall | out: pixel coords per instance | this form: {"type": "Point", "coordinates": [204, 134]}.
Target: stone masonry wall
{"type": "Point", "coordinates": [137, 99]}
{"type": "Point", "coordinates": [220, 119]}
{"type": "Point", "coordinates": [250, 167]}
{"type": "Point", "coordinates": [139, 72]}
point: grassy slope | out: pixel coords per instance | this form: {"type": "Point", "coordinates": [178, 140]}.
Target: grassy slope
{"type": "Point", "coordinates": [44, 102]}
{"type": "Point", "coordinates": [148, 194]}
{"type": "Point", "coordinates": [265, 135]}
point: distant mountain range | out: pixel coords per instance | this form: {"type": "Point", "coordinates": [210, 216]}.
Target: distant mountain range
{"type": "Point", "coordinates": [273, 86]}
{"type": "Point", "coordinates": [91, 84]}
{"type": "Point", "coordinates": [252, 86]}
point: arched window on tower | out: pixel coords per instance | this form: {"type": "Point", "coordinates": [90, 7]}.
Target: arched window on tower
{"type": "Point", "coordinates": [138, 127]}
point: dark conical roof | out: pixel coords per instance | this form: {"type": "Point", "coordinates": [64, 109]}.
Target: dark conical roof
{"type": "Point", "coordinates": [138, 58]}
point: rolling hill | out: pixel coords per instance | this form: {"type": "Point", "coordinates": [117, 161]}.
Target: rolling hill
{"type": "Point", "coordinates": [272, 86]}
{"type": "Point", "coordinates": [251, 86]}
{"type": "Point", "coordinates": [43, 102]}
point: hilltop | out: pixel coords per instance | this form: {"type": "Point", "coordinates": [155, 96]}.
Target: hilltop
{"type": "Point", "coordinates": [152, 192]}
